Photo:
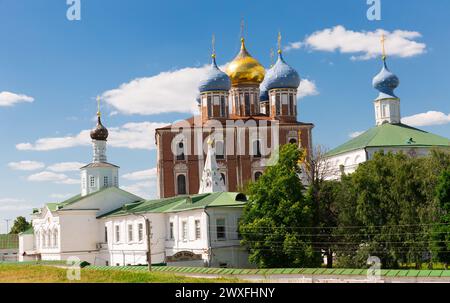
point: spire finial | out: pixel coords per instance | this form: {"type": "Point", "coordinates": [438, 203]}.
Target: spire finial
{"type": "Point", "coordinates": [242, 29]}
{"type": "Point", "coordinates": [272, 56]}
{"type": "Point", "coordinates": [213, 45]}
{"type": "Point", "coordinates": [383, 41]}
{"type": "Point", "coordinates": [279, 42]}
{"type": "Point", "coordinates": [98, 106]}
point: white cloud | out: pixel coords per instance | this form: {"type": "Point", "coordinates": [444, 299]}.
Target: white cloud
{"type": "Point", "coordinates": [171, 91]}
{"type": "Point", "coordinates": [131, 135]}
{"type": "Point", "coordinates": [144, 189]}
{"type": "Point", "coordinates": [141, 175]}
{"type": "Point", "coordinates": [10, 99]}
{"type": "Point", "coordinates": [61, 196]}
{"type": "Point", "coordinates": [26, 165]}
{"type": "Point", "coordinates": [307, 88]}
{"type": "Point", "coordinates": [355, 134]}
{"type": "Point", "coordinates": [364, 45]}
{"type": "Point", "coordinates": [65, 167]}
{"type": "Point", "coordinates": [10, 200]}
{"type": "Point", "coordinates": [47, 176]}
{"type": "Point", "coordinates": [427, 119]}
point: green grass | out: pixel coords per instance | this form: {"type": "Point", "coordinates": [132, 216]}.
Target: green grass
{"type": "Point", "coordinates": [13, 273]}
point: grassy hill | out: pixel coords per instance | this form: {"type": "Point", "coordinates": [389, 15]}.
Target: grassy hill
{"type": "Point", "coordinates": [13, 273]}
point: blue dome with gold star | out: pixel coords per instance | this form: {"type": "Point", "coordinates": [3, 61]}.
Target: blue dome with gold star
{"type": "Point", "coordinates": [385, 82]}
{"type": "Point", "coordinates": [215, 80]}
{"type": "Point", "coordinates": [281, 75]}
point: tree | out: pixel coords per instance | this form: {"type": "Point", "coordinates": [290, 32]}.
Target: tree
{"type": "Point", "coordinates": [441, 231]}
{"type": "Point", "coordinates": [20, 225]}
{"type": "Point", "coordinates": [277, 219]}
{"type": "Point", "coordinates": [386, 209]}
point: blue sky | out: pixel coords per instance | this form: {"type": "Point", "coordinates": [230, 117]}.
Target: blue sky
{"type": "Point", "coordinates": [63, 65]}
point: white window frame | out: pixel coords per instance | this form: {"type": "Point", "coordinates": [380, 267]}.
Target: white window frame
{"type": "Point", "coordinates": [130, 232]}
{"type": "Point", "coordinates": [140, 232]}
{"type": "Point", "coordinates": [184, 230]}
{"type": "Point", "coordinates": [198, 229]}
{"type": "Point", "coordinates": [117, 233]}
{"type": "Point", "coordinates": [91, 181]}
{"type": "Point", "coordinates": [224, 229]}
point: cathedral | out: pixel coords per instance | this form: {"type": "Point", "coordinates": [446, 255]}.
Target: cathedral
{"type": "Point", "coordinates": [248, 110]}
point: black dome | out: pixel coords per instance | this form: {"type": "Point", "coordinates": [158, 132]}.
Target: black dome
{"type": "Point", "coordinates": [100, 132]}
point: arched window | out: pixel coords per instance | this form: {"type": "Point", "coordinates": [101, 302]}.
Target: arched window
{"type": "Point", "coordinates": [43, 244]}
{"type": "Point", "coordinates": [38, 239]}
{"type": "Point", "coordinates": [209, 105]}
{"type": "Point", "coordinates": [49, 239]}
{"type": "Point", "coordinates": [220, 151]}
{"type": "Point", "coordinates": [293, 141]}
{"type": "Point", "coordinates": [258, 174]}
{"type": "Point", "coordinates": [55, 238]}
{"type": "Point", "coordinates": [256, 152]}
{"type": "Point", "coordinates": [180, 151]}
{"type": "Point", "coordinates": [181, 184]}
{"type": "Point", "coordinates": [291, 104]}
{"type": "Point", "coordinates": [223, 178]}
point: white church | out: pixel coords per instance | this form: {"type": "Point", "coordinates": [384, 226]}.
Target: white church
{"type": "Point", "coordinates": [388, 135]}
{"type": "Point", "coordinates": [106, 225]}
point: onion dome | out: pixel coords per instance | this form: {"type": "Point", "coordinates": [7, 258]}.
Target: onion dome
{"type": "Point", "coordinates": [245, 69]}
{"type": "Point", "coordinates": [263, 91]}
{"type": "Point", "coordinates": [385, 82]}
{"type": "Point", "coordinates": [100, 133]}
{"type": "Point", "coordinates": [281, 75]}
{"type": "Point", "coordinates": [215, 80]}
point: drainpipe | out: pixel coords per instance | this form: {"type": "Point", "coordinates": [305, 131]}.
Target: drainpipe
{"type": "Point", "coordinates": [208, 235]}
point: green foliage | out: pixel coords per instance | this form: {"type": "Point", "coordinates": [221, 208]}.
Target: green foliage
{"type": "Point", "coordinates": [441, 231]}
{"type": "Point", "coordinates": [20, 225]}
{"type": "Point", "coordinates": [274, 220]}
{"type": "Point", "coordinates": [386, 209]}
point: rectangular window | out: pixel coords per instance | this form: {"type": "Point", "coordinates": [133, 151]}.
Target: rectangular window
{"type": "Point", "coordinates": [116, 182]}
{"type": "Point", "coordinates": [171, 231]}
{"type": "Point", "coordinates": [106, 234]}
{"type": "Point", "coordinates": [105, 181]}
{"type": "Point", "coordinates": [185, 230]}
{"type": "Point", "coordinates": [117, 233]}
{"type": "Point", "coordinates": [130, 232]}
{"type": "Point", "coordinates": [197, 230]}
{"type": "Point", "coordinates": [222, 106]}
{"type": "Point", "coordinates": [278, 105]}
{"type": "Point", "coordinates": [220, 229]}
{"type": "Point", "coordinates": [209, 105]}
{"type": "Point", "coordinates": [247, 104]}
{"type": "Point", "coordinates": [92, 181]}
{"type": "Point", "coordinates": [140, 232]}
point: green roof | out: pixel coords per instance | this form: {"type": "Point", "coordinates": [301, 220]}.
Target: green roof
{"type": "Point", "coordinates": [77, 198]}
{"type": "Point", "coordinates": [9, 241]}
{"type": "Point", "coordinates": [182, 203]}
{"type": "Point", "coordinates": [392, 135]}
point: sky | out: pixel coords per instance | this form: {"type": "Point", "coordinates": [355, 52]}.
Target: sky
{"type": "Point", "coordinates": [145, 59]}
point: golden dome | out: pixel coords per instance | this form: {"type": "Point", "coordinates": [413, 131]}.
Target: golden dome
{"type": "Point", "coordinates": [245, 69]}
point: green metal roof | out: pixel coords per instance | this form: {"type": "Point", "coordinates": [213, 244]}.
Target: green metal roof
{"type": "Point", "coordinates": [77, 198]}
{"type": "Point", "coordinates": [182, 203]}
{"type": "Point", "coordinates": [391, 135]}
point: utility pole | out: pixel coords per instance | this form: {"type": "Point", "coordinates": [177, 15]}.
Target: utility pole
{"type": "Point", "coordinates": [148, 229]}
{"type": "Point", "coordinates": [7, 225]}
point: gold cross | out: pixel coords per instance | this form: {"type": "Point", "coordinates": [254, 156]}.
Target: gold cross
{"type": "Point", "coordinates": [279, 42]}
{"type": "Point", "coordinates": [242, 27]}
{"type": "Point", "coordinates": [213, 42]}
{"type": "Point", "coordinates": [383, 41]}
{"type": "Point", "coordinates": [98, 105]}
